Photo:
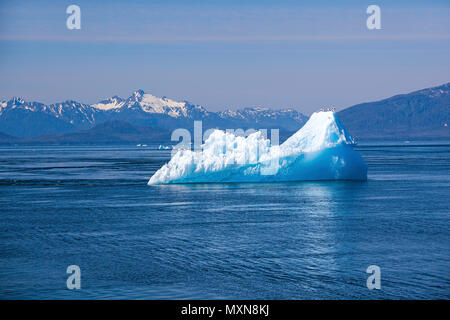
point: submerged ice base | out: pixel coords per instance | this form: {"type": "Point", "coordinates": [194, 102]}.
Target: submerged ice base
{"type": "Point", "coordinates": [320, 150]}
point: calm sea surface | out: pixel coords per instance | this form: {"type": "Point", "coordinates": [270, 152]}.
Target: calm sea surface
{"type": "Point", "coordinates": [91, 207]}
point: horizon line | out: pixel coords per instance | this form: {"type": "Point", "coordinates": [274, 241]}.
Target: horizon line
{"type": "Point", "coordinates": [296, 38]}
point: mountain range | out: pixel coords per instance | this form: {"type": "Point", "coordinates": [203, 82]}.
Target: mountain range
{"type": "Point", "coordinates": [419, 114]}
{"type": "Point", "coordinates": [144, 117]}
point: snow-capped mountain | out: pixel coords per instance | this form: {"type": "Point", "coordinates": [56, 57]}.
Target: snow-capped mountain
{"type": "Point", "coordinates": [149, 103]}
{"type": "Point", "coordinates": [27, 119]}
{"type": "Point", "coordinates": [114, 103]}
{"type": "Point", "coordinates": [31, 119]}
{"type": "Point", "coordinates": [259, 112]}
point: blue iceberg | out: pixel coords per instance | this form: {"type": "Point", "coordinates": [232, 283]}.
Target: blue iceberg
{"type": "Point", "coordinates": [320, 150]}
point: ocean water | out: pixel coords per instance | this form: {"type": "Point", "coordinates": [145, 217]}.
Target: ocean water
{"type": "Point", "coordinates": [90, 206]}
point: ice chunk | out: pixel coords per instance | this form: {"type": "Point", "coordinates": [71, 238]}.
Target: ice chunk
{"type": "Point", "coordinates": [320, 150]}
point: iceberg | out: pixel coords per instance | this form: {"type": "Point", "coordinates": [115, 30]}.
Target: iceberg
{"type": "Point", "coordinates": [320, 150]}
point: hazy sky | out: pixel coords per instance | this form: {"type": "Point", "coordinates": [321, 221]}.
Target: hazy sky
{"type": "Point", "coordinates": [224, 54]}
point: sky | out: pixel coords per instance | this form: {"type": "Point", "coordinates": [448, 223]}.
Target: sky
{"type": "Point", "coordinates": [224, 54]}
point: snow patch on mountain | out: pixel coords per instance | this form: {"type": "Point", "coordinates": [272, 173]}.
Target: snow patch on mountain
{"type": "Point", "coordinates": [3, 105]}
{"type": "Point", "coordinates": [147, 103]}
{"type": "Point", "coordinates": [257, 114]}
{"type": "Point", "coordinates": [110, 104]}
{"type": "Point", "coordinates": [153, 104]}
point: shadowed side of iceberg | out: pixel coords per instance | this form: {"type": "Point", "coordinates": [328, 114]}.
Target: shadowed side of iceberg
{"type": "Point", "coordinates": [336, 163]}
{"type": "Point", "coordinates": [320, 150]}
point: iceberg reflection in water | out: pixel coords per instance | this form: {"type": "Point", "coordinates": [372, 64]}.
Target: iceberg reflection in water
{"type": "Point", "coordinates": [320, 150]}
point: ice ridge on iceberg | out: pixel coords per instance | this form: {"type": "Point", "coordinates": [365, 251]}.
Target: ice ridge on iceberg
{"type": "Point", "coordinates": [320, 150]}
